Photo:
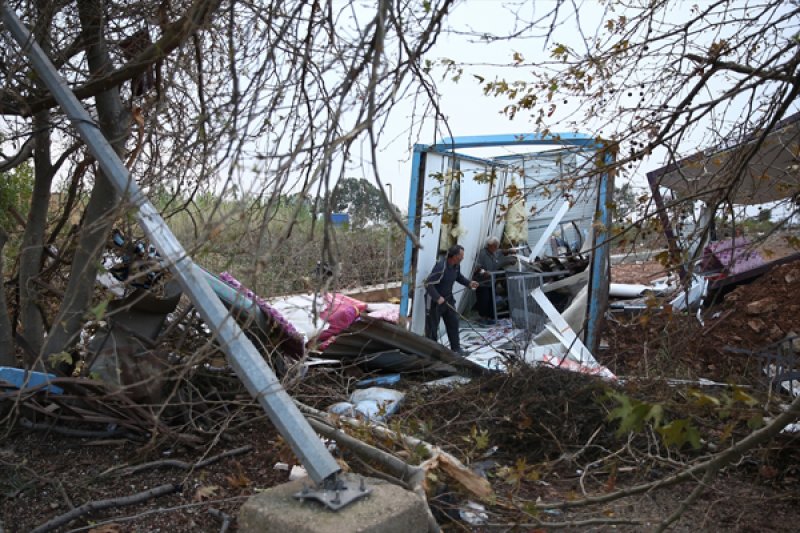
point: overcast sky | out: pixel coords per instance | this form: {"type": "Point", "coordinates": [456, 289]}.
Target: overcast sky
{"type": "Point", "coordinates": [469, 112]}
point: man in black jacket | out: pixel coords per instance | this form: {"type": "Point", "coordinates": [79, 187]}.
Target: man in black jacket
{"type": "Point", "coordinates": [439, 299]}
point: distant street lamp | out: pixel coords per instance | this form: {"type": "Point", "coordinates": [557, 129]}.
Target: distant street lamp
{"type": "Point", "coordinates": [388, 241]}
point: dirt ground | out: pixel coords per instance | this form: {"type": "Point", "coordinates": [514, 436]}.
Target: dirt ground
{"type": "Point", "coordinates": [533, 422]}
{"type": "Point", "coordinates": [752, 317]}
{"type": "Point", "coordinates": [539, 435]}
{"type": "Point", "coordinates": [43, 476]}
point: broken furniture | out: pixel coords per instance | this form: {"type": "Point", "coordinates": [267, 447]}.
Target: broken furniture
{"type": "Point", "coordinates": [496, 277]}
{"type": "Point", "coordinates": [780, 363]}
{"type": "Point", "coordinates": [123, 352]}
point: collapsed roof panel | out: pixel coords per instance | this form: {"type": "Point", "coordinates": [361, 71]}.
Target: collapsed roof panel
{"type": "Point", "coordinates": [386, 346]}
{"type": "Point", "coordinates": [759, 169]}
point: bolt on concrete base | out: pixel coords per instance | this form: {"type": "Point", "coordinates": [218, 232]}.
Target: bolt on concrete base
{"type": "Point", "coordinates": [388, 509]}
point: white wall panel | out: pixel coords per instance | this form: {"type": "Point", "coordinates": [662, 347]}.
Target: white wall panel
{"type": "Point", "coordinates": [476, 221]}
{"type": "Point", "coordinates": [430, 229]}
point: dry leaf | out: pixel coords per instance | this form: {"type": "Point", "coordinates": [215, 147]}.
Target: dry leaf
{"type": "Point", "coordinates": [525, 423]}
{"type": "Point", "coordinates": [238, 481]}
{"type": "Point", "coordinates": [343, 465]}
{"type": "Point", "coordinates": [205, 492]}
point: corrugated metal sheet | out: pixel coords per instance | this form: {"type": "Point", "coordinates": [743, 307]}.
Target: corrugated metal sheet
{"type": "Point", "coordinates": [380, 344]}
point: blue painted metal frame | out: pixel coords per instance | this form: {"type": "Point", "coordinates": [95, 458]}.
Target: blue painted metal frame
{"type": "Point", "coordinates": [450, 145]}
{"type": "Point", "coordinates": [416, 163]}
{"type": "Point", "coordinates": [520, 139]}
{"type": "Point", "coordinates": [599, 275]}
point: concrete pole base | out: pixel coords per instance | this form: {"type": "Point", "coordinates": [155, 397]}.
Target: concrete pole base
{"type": "Point", "coordinates": [388, 509]}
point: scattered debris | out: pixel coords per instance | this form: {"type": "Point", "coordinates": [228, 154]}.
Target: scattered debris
{"type": "Point", "coordinates": [376, 344]}
{"type": "Point", "coordinates": [27, 381]}
{"type": "Point", "coordinates": [473, 514]}
{"type": "Point", "coordinates": [729, 257]}
{"type": "Point", "coordinates": [750, 318]}
{"type": "Point", "coordinates": [374, 403]}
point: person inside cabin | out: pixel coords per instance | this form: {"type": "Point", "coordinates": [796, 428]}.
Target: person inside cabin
{"type": "Point", "coordinates": [490, 259]}
{"type": "Point", "coordinates": [439, 300]}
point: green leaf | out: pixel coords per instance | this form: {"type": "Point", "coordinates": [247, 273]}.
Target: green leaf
{"type": "Point", "coordinates": [655, 414]}
{"type": "Point", "coordinates": [99, 311]}
{"type": "Point", "coordinates": [727, 431]}
{"type": "Point", "coordinates": [632, 414]}
{"type": "Point", "coordinates": [531, 509]}
{"type": "Point", "coordinates": [739, 395]}
{"type": "Point", "coordinates": [756, 421]}
{"type": "Point", "coordinates": [482, 440]}
{"type": "Point", "coordinates": [702, 399]}
{"type": "Point", "coordinates": [61, 357]}
{"type": "Point", "coordinates": [679, 432]}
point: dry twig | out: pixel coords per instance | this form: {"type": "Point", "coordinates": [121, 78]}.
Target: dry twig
{"type": "Point", "coordinates": [175, 463]}
{"type": "Point", "coordinates": [225, 518]}
{"type": "Point", "coordinates": [105, 504]}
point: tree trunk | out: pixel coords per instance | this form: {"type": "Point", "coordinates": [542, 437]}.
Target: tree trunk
{"type": "Point", "coordinates": [30, 261]}
{"type": "Point", "coordinates": [100, 211]}
{"type": "Point", "coordinates": [6, 340]}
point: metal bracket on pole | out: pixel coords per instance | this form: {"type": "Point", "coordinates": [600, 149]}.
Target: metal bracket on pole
{"type": "Point", "coordinates": [340, 493]}
{"type": "Point", "coordinates": [250, 366]}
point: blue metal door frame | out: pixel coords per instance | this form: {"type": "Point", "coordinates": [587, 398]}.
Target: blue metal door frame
{"type": "Point", "coordinates": [600, 256]}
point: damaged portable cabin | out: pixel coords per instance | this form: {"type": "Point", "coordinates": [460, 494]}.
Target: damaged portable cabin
{"type": "Point", "coordinates": [693, 195]}
{"type": "Point", "coordinates": [532, 188]}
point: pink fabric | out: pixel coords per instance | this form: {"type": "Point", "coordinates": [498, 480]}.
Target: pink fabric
{"type": "Point", "coordinates": [336, 301]}
{"type": "Point", "coordinates": [389, 315]}
{"type": "Point", "coordinates": [574, 366]}
{"type": "Point", "coordinates": [281, 331]}
{"type": "Point", "coordinates": [338, 321]}
{"type": "Point", "coordinates": [732, 255]}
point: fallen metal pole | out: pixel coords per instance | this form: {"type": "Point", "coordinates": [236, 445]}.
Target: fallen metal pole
{"type": "Point", "coordinates": [250, 366]}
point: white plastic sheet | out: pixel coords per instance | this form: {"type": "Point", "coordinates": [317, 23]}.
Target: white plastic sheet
{"type": "Point", "coordinates": [374, 403]}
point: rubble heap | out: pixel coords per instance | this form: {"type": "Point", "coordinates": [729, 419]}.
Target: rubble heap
{"type": "Point", "coordinates": [751, 317]}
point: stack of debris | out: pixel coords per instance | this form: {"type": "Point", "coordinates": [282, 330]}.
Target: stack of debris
{"type": "Point", "coordinates": [739, 336]}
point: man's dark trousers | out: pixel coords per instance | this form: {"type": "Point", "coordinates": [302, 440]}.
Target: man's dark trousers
{"type": "Point", "coordinates": [447, 312]}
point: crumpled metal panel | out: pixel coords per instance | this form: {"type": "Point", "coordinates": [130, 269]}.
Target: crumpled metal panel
{"type": "Point", "coordinates": [398, 348]}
